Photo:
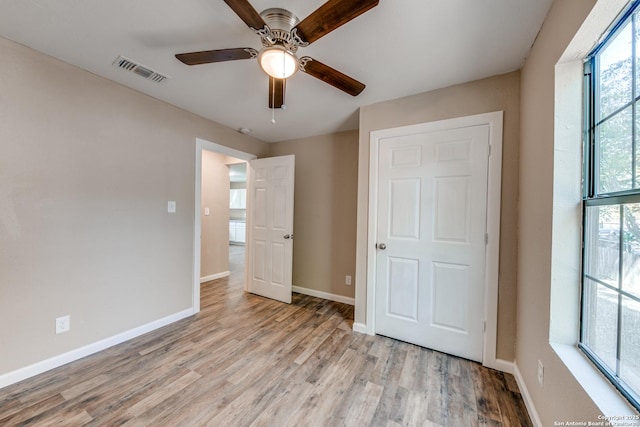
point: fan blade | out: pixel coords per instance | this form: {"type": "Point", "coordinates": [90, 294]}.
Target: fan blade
{"type": "Point", "coordinates": [330, 16]}
{"type": "Point", "coordinates": [276, 92]}
{"type": "Point", "coordinates": [221, 55]}
{"type": "Point", "coordinates": [331, 76]}
{"type": "Point", "coordinates": [247, 13]}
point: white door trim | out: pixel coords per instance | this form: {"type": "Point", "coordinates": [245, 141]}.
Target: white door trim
{"type": "Point", "coordinates": [202, 144]}
{"type": "Point", "coordinates": [494, 120]}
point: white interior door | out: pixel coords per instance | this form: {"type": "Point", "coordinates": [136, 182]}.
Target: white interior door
{"type": "Point", "coordinates": [431, 216]}
{"type": "Point", "coordinates": [270, 227]}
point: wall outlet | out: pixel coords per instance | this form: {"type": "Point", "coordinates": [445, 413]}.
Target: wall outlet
{"type": "Point", "coordinates": [540, 373]}
{"type": "Point", "coordinates": [347, 280]}
{"type": "Point", "coordinates": [63, 324]}
{"type": "Point", "coordinates": [171, 206]}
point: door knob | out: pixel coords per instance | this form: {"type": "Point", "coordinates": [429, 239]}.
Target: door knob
{"type": "Point", "coordinates": [288, 236]}
{"type": "Point", "coordinates": [381, 246]}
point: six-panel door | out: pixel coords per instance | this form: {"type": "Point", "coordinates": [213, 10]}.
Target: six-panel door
{"type": "Point", "coordinates": [431, 218]}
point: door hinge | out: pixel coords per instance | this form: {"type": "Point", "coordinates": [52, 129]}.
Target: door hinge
{"type": "Point", "coordinates": [489, 154]}
{"type": "Point", "coordinates": [484, 326]}
{"type": "Point", "coordinates": [486, 238]}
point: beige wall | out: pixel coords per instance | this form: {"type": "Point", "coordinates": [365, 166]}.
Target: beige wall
{"type": "Point", "coordinates": [324, 210]}
{"type": "Point", "coordinates": [482, 96]}
{"type": "Point", "coordinates": [214, 249]}
{"type": "Point", "coordinates": [86, 169]}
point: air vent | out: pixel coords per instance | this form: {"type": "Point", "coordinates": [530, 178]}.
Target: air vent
{"type": "Point", "coordinates": [141, 70]}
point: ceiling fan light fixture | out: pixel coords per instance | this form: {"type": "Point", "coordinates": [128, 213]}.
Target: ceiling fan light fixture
{"type": "Point", "coordinates": [278, 62]}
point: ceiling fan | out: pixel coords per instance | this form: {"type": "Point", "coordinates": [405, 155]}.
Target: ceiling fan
{"type": "Point", "coordinates": [282, 33]}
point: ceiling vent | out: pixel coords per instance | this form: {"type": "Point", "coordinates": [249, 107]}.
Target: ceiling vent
{"type": "Point", "coordinates": [141, 70]}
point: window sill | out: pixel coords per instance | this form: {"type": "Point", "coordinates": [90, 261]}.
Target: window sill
{"type": "Point", "coordinates": [593, 382]}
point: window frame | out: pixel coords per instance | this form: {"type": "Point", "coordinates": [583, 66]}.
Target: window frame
{"type": "Point", "coordinates": [590, 188]}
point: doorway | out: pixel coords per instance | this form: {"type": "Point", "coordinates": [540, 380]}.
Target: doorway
{"type": "Point", "coordinates": [202, 148]}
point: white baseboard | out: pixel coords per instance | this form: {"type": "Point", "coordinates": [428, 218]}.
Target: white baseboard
{"type": "Point", "coordinates": [360, 327]}
{"type": "Point", "coordinates": [70, 356]}
{"type": "Point", "coordinates": [214, 276]}
{"type": "Point", "coordinates": [324, 295]}
{"type": "Point", "coordinates": [502, 366]}
{"type": "Point", "coordinates": [526, 397]}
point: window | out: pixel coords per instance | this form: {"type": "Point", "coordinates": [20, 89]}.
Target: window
{"type": "Point", "coordinates": [610, 325]}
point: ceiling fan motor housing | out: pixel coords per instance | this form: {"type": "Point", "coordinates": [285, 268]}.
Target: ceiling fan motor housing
{"type": "Point", "coordinates": [280, 22]}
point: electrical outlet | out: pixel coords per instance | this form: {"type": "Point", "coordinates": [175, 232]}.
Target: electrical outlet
{"type": "Point", "coordinates": [63, 324]}
{"type": "Point", "coordinates": [347, 280]}
{"type": "Point", "coordinates": [540, 373]}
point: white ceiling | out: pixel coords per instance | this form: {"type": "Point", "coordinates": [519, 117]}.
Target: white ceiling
{"type": "Point", "coordinates": [399, 48]}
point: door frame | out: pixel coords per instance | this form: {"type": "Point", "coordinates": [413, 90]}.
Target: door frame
{"type": "Point", "coordinates": [494, 178]}
{"type": "Point", "coordinates": [201, 145]}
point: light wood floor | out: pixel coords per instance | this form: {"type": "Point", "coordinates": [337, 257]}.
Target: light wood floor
{"type": "Point", "coordinates": [249, 361]}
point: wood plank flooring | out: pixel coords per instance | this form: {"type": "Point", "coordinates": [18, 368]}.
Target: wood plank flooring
{"type": "Point", "coordinates": [248, 361]}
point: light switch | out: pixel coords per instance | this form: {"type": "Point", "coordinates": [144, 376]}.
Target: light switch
{"type": "Point", "coordinates": [171, 206]}
{"type": "Point", "coordinates": [206, 211]}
